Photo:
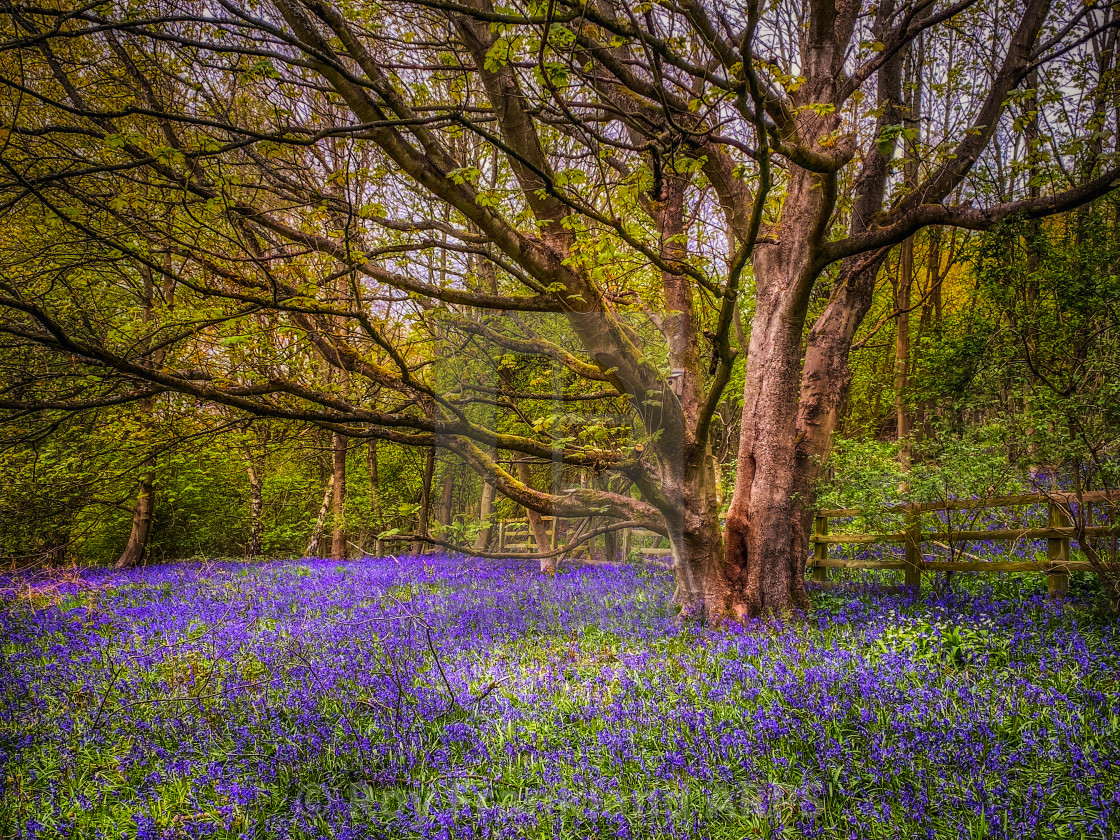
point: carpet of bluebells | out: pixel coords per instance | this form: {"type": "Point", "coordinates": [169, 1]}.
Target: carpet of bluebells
{"type": "Point", "coordinates": [457, 698]}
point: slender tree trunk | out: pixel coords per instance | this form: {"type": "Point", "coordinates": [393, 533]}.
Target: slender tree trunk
{"type": "Point", "coordinates": [485, 507]}
{"type": "Point", "coordinates": [320, 520]}
{"type": "Point", "coordinates": [930, 318]}
{"type": "Point", "coordinates": [902, 349]}
{"type": "Point", "coordinates": [912, 89]}
{"type": "Point", "coordinates": [145, 497]}
{"type": "Point", "coordinates": [141, 525]}
{"type": "Point", "coordinates": [610, 546]}
{"type": "Point", "coordinates": [425, 513]}
{"type": "Point", "coordinates": [338, 494]}
{"type": "Point", "coordinates": [486, 270]}
{"type": "Point", "coordinates": [537, 524]}
{"type": "Point", "coordinates": [446, 498]}
{"type": "Point", "coordinates": [256, 509]}
{"type": "Point", "coordinates": [610, 538]}
{"type": "Point", "coordinates": [374, 484]}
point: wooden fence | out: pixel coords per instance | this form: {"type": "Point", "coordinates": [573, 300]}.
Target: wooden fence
{"type": "Point", "coordinates": [1057, 565]}
{"type": "Point", "coordinates": [516, 537]}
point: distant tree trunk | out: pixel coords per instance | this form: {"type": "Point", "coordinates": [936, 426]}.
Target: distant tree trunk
{"type": "Point", "coordinates": [374, 484]}
{"type": "Point", "coordinates": [537, 524]}
{"type": "Point", "coordinates": [486, 505]}
{"type": "Point", "coordinates": [338, 478]}
{"type": "Point", "coordinates": [425, 513]}
{"type": "Point", "coordinates": [141, 525]}
{"type": "Point", "coordinates": [256, 509]}
{"type": "Point", "coordinates": [145, 496]}
{"type": "Point", "coordinates": [930, 318]}
{"type": "Point", "coordinates": [610, 546]}
{"type": "Point", "coordinates": [320, 521]}
{"type": "Point", "coordinates": [446, 498]}
{"type": "Point", "coordinates": [902, 349]}
{"type": "Point", "coordinates": [610, 538]}
{"type": "Point", "coordinates": [912, 89]}
{"type": "Point", "coordinates": [1032, 136]}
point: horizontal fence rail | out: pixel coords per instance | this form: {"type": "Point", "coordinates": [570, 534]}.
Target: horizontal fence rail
{"type": "Point", "coordinates": [516, 537]}
{"type": "Point", "coordinates": [1057, 534]}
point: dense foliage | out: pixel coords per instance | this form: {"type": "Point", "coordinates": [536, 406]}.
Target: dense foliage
{"type": "Point", "coordinates": [451, 698]}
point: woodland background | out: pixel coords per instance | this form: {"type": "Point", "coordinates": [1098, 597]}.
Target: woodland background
{"type": "Point", "coordinates": [149, 214]}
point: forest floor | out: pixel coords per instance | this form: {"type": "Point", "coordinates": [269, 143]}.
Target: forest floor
{"type": "Point", "coordinates": [454, 698]}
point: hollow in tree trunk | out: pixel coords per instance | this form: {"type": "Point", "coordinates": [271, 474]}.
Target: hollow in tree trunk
{"type": "Point", "coordinates": [703, 588]}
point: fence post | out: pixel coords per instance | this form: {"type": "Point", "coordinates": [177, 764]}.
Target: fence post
{"type": "Point", "coordinates": [820, 549]}
{"type": "Point", "coordinates": [625, 543]}
{"type": "Point", "coordinates": [501, 536]}
{"type": "Point", "coordinates": [913, 570]}
{"type": "Point", "coordinates": [1057, 552]}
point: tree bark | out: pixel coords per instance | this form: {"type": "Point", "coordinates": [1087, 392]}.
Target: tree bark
{"type": "Point", "coordinates": [338, 494]}
{"type": "Point", "coordinates": [134, 550]}
{"type": "Point", "coordinates": [374, 483]}
{"type": "Point", "coordinates": [145, 498]}
{"type": "Point", "coordinates": [767, 520]}
{"type": "Point", "coordinates": [320, 520]}
{"type": "Point", "coordinates": [915, 58]}
{"type": "Point", "coordinates": [256, 509]}
{"type": "Point", "coordinates": [537, 524]}
{"type": "Point", "coordinates": [446, 499]}
{"type": "Point", "coordinates": [611, 546]}
{"type": "Point", "coordinates": [424, 515]}
{"type": "Point", "coordinates": [930, 318]}
{"type": "Point", "coordinates": [485, 507]}
{"type": "Point", "coordinates": [703, 575]}
{"type": "Point", "coordinates": [902, 350]}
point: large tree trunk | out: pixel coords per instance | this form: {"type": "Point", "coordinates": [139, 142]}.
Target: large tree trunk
{"type": "Point", "coordinates": [141, 525]}
{"type": "Point", "coordinates": [764, 531]}
{"type": "Point", "coordinates": [702, 575]}
{"type": "Point", "coordinates": [792, 398]}
{"type": "Point", "coordinates": [338, 480]}
{"type": "Point", "coordinates": [767, 520]}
